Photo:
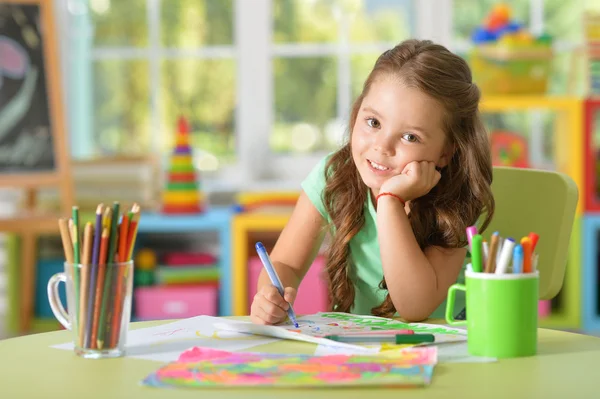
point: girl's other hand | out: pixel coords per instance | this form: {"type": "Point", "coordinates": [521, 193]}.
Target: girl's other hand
{"type": "Point", "coordinates": [269, 307]}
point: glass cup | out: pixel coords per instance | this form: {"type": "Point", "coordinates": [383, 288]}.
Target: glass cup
{"type": "Point", "coordinates": [99, 306]}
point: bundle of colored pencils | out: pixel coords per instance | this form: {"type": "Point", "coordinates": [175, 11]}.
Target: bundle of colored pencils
{"type": "Point", "coordinates": [100, 280]}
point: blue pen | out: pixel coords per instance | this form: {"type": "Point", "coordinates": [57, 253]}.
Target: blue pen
{"type": "Point", "coordinates": [518, 259]}
{"type": "Point", "coordinates": [264, 258]}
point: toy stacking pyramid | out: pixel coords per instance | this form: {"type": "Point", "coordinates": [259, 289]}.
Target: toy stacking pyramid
{"type": "Point", "coordinates": [182, 193]}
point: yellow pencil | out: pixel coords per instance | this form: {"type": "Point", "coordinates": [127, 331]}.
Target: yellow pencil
{"type": "Point", "coordinates": [63, 225]}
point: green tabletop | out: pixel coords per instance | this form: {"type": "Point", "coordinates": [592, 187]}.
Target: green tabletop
{"type": "Point", "coordinates": [566, 366]}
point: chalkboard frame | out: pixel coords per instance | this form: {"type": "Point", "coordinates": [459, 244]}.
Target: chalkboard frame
{"type": "Point", "coordinates": [60, 176]}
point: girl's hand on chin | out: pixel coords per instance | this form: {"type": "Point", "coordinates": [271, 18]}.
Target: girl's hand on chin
{"type": "Point", "coordinates": [416, 180]}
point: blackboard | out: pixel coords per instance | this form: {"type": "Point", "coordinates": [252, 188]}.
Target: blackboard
{"type": "Point", "coordinates": [26, 120]}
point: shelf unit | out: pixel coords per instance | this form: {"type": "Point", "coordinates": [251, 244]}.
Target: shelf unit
{"type": "Point", "coordinates": [214, 219]}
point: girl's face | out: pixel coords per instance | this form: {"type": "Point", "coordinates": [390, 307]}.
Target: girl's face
{"type": "Point", "coordinates": [396, 125]}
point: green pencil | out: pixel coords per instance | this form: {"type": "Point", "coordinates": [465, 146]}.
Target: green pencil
{"type": "Point", "coordinates": [110, 259]}
{"type": "Point", "coordinates": [397, 339]}
{"type": "Point", "coordinates": [76, 257]}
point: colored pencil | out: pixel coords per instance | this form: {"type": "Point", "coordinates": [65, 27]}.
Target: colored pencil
{"type": "Point", "coordinates": [398, 339]}
{"type": "Point", "coordinates": [93, 277]}
{"type": "Point", "coordinates": [133, 227]}
{"type": "Point", "coordinates": [112, 246]}
{"type": "Point", "coordinates": [99, 286]}
{"type": "Point", "coordinates": [123, 229]}
{"type": "Point", "coordinates": [85, 271]}
{"type": "Point", "coordinates": [63, 226]}
{"type": "Point", "coordinates": [76, 258]}
{"type": "Point", "coordinates": [117, 298]}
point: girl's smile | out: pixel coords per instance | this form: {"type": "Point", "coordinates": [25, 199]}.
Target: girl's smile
{"type": "Point", "coordinates": [379, 168]}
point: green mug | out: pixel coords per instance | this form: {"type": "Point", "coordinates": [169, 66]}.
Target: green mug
{"type": "Point", "coordinates": [502, 313]}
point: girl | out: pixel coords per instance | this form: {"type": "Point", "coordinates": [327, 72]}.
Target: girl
{"type": "Point", "coordinates": [397, 197]}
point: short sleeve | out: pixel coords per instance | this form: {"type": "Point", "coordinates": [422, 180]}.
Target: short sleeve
{"type": "Point", "coordinates": [314, 186]}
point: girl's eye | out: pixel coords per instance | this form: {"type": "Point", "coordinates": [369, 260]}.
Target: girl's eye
{"type": "Point", "coordinates": [374, 123]}
{"type": "Point", "coordinates": [411, 138]}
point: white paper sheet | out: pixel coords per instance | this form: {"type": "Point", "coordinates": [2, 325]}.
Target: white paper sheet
{"type": "Point", "coordinates": [166, 342]}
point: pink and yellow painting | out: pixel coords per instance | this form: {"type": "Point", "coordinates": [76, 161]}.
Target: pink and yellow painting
{"type": "Point", "coordinates": [204, 367]}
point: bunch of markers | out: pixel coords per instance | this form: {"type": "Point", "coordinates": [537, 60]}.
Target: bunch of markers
{"type": "Point", "coordinates": [97, 255]}
{"type": "Point", "coordinates": [502, 255]}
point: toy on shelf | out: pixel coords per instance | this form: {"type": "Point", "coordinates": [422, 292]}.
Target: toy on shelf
{"type": "Point", "coordinates": [182, 193]}
{"type": "Point", "coordinates": [592, 38]}
{"type": "Point", "coordinates": [509, 149]}
{"type": "Point", "coordinates": [145, 264]}
{"type": "Point", "coordinates": [507, 59]}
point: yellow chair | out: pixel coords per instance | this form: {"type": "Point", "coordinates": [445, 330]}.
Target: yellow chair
{"type": "Point", "coordinates": [544, 202]}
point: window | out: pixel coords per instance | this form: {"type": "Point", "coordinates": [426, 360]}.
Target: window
{"type": "Point", "coordinates": [152, 61]}
{"type": "Point", "coordinates": [267, 85]}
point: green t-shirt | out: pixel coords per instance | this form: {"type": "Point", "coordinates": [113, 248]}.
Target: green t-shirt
{"type": "Point", "coordinates": [367, 271]}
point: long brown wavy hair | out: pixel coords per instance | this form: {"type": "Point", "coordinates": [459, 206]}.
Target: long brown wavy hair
{"type": "Point", "coordinates": [463, 193]}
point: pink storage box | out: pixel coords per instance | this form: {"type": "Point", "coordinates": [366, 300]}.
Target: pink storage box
{"type": "Point", "coordinates": [312, 293]}
{"type": "Point", "coordinates": [175, 302]}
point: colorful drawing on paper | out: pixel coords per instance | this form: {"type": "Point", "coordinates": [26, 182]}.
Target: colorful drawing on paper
{"type": "Point", "coordinates": [204, 367]}
{"type": "Point", "coordinates": [373, 323]}
{"type": "Point", "coordinates": [314, 327]}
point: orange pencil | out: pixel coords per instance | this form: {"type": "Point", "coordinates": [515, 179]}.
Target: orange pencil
{"type": "Point", "coordinates": [526, 244]}
{"type": "Point", "coordinates": [99, 285]}
{"type": "Point", "coordinates": [85, 273]}
{"type": "Point", "coordinates": [117, 309]}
